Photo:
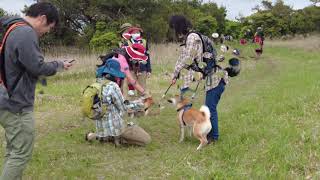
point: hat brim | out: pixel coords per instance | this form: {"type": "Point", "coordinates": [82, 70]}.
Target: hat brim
{"type": "Point", "coordinates": [124, 29]}
{"type": "Point", "coordinates": [131, 29]}
{"type": "Point", "coordinates": [136, 56]}
{"type": "Point", "coordinates": [126, 36]}
{"type": "Point", "coordinates": [114, 72]}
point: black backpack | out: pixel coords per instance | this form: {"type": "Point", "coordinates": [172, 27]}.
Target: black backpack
{"type": "Point", "coordinates": [7, 25]}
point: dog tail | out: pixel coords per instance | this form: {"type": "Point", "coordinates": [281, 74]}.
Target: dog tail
{"type": "Point", "coordinates": [205, 111]}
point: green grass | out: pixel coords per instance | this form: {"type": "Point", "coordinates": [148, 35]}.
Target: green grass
{"type": "Point", "coordinates": [268, 121]}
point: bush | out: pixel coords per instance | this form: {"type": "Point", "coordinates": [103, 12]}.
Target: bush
{"type": "Point", "coordinates": [105, 41]}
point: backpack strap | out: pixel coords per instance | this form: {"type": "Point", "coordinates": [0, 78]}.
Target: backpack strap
{"type": "Point", "coordinates": [2, 45]}
{"type": "Point", "coordinates": [199, 34]}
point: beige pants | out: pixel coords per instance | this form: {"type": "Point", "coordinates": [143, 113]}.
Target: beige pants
{"type": "Point", "coordinates": [135, 135]}
{"type": "Point", "coordinates": [132, 135]}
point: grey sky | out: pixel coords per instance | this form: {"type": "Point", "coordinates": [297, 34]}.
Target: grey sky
{"type": "Point", "coordinates": [234, 7]}
{"type": "Point", "coordinates": [14, 6]}
{"type": "Point", "coordinates": [244, 7]}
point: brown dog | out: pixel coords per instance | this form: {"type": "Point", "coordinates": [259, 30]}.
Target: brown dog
{"type": "Point", "coordinates": [144, 109]}
{"type": "Point", "coordinates": [198, 120]}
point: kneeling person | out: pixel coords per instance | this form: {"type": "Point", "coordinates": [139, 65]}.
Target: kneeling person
{"type": "Point", "coordinates": [111, 126]}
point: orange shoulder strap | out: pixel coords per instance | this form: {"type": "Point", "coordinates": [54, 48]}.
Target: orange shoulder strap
{"type": "Point", "coordinates": [11, 28]}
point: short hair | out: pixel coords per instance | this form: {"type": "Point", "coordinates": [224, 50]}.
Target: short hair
{"type": "Point", "coordinates": [180, 24]}
{"type": "Point", "coordinates": [44, 8]}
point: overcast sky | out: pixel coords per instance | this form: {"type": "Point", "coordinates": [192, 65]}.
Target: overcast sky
{"type": "Point", "coordinates": [234, 7]}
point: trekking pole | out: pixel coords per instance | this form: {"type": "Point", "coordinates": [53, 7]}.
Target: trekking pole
{"type": "Point", "coordinates": [164, 95]}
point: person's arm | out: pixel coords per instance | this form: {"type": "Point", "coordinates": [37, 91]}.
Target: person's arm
{"type": "Point", "coordinates": [118, 99]}
{"type": "Point", "coordinates": [29, 55]}
{"type": "Point", "coordinates": [187, 53]}
{"type": "Point", "coordinates": [134, 82]}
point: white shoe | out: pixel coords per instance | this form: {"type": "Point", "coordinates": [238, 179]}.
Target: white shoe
{"type": "Point", "coordinates": [131, 93]}
{"type": "Point", "coordinates": [90, 136]}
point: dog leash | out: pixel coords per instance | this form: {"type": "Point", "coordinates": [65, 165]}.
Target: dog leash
{"type": "Point", "coordinates": [195, 91]}
{"type": "Point", "coordinates": [164, 95]}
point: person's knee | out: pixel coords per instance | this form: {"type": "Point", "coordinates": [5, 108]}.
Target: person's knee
{"type": "Point", "coordinates": [147, 139]}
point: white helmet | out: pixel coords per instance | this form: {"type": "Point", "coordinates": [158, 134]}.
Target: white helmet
{"type": "Point", "coordinates": [215, 35]}
{"type": "Point", "coordinates": [223, 48]}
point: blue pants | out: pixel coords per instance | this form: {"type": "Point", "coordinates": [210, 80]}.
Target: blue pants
{"type": "Point", "coordinates": [212, 100]}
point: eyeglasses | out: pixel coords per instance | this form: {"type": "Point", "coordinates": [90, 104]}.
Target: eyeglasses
{"type": "Point", "coordinates": [134, 61]}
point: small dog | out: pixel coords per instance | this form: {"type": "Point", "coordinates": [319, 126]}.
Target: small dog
{"type": "Point", "coordinates": [143, 108]}
{"type": "Point", "coordinates": [198, 120]}
{"type": "Point", "coordinates": [148, 102]}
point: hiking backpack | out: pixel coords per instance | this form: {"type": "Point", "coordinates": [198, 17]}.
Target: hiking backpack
{"type": "Point", "coordinates": [7, 25]}
{"type": "Point", "coordinates": [91, 104]}
{"type": "Point", "coordinates": [210, 62]}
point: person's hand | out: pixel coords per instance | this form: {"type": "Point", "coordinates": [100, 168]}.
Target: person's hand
{"type": "Point", "coordinates": [146, 95]}
{"type": "Point", "coordinates": [148, 74]}
{"type": "Point", "coordinates": [173, 81]}
{"type": "Point", "coordinates": [67, 65]}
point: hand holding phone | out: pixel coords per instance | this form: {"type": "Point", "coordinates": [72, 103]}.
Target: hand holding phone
{"type": "Point", "coordinates": [73, 60]}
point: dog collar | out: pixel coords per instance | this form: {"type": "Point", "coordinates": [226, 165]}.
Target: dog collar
{"type": "Point", "coordinates": [185, 107]}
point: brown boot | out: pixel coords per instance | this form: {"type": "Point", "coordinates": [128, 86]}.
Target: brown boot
{"type": "Point", "coordinates": [117, 141]}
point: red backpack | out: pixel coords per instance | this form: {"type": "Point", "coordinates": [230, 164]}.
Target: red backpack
{"type": "Point", "coordinates": [6, 27]}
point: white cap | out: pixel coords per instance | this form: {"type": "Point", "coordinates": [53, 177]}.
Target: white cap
{"type": "Point", "coordinates": [215, 35]}
{"type": "Point", "coordinates": [223, 48]}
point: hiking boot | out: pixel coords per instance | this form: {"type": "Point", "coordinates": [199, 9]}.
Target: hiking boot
{"type": "Point", "coordinates": [131, 93]}
{"type": "Point", "coordinates": [117, 141]}
{"type": "Point", "coordinates": [212, 141]}
{"type": "Point", "coordinates": [90, 136]}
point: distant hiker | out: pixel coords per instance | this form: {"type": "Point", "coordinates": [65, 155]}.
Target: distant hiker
{"type": "Point", "coordinates": [198, 49]}
{"type": "Point", "coordinates": [133, 35]}
{"type": "Point", "coordinates": [259, 40]}
{"type": "Point", "coordinates": [21, 65]}
{"type": "Point", "coordinates": [125, 35]}
{"type": "Point", "coordinates": [215, 37]}
{"type": "Point", "coordinates": [111, 127]}
{"type": "Point", "coordinates": [248, 35]}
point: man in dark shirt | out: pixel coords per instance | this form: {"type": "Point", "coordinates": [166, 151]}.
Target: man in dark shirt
{"type": "Point", "coordinates": [23, 64]}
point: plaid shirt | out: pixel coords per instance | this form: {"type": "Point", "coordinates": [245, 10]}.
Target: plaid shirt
{"type": "Point", "coordinates": [194, 50]}
{"type": "Point", "coordinates": [112, 123]}
{"type": "Point", "coordinates": [214, 80]}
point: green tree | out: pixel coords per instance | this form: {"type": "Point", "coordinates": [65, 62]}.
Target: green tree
{"type": "Point", "coordinates": [2, 12]}
{"type": "Point", "coordinates": [103, 39]}
{"type": "Point", "coordinates": [233, 28]}
{"type": "Point", "coordinates": [300, 23]}
{"type": "Point", "coordinates": [207, 25]}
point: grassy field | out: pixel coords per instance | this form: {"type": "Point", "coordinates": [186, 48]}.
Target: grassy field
{"type": "Point", "coordinates": [268, 118]}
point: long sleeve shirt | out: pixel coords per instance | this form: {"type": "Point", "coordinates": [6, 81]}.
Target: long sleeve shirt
{"type": "Point", "coordinates": [193, 50]}
{"type": "Point", "coordinates": [112, 123]}
{"type": "Point", "coordinates": [23, 64]}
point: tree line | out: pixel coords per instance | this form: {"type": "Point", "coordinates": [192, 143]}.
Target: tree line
{"type": "Point", "coordinates": [95, 23]}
